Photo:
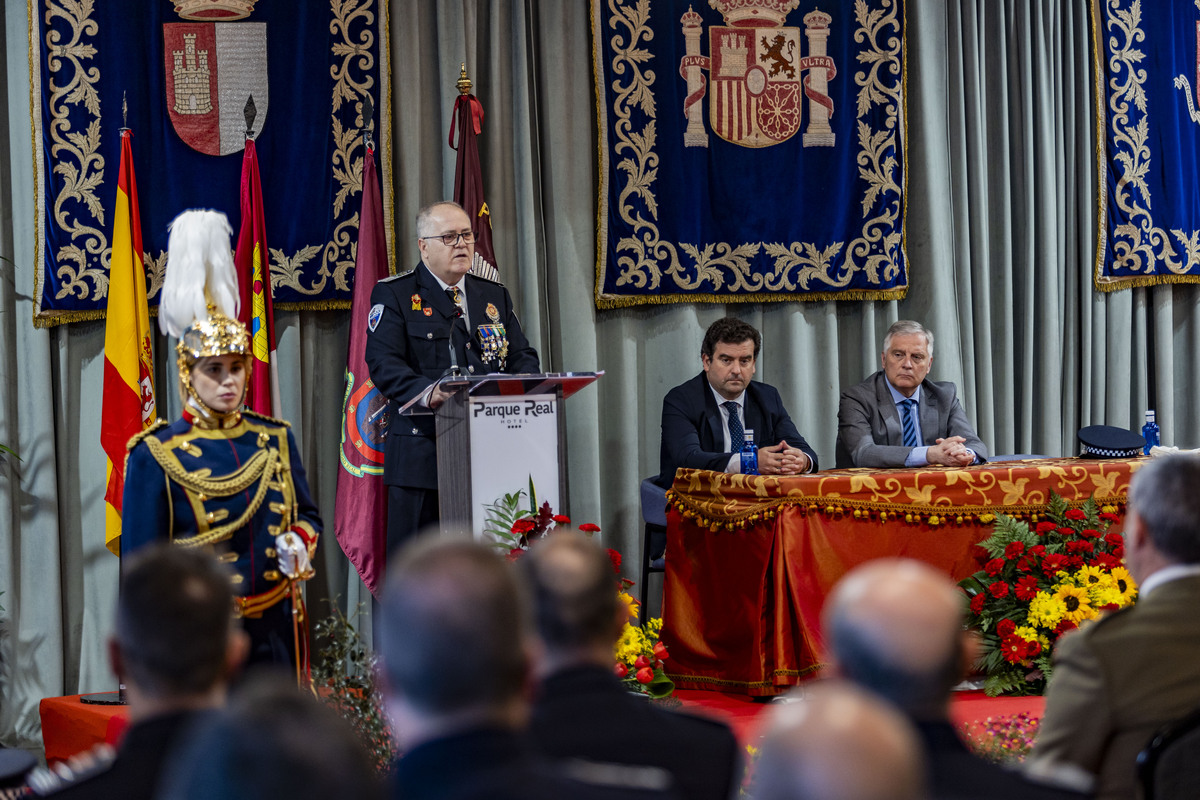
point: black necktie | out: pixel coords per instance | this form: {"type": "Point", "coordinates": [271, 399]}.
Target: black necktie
{"type": "Point", "coordinates": [737, 436]}
{"type": "Point", "coordinates": [456, 297]}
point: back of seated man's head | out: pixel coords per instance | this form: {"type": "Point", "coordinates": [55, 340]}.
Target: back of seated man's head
{"type": "Point", "coordinates": [453, 632]}
{"type": "Point", "coordinates": [1164, 494]}
{"type": "Point", "coordinates": [894, 626]}
{"type": "Point", "coordinates": [838, 742]}
{"type": "Point", "coordinates": [729, 330]}
{"type": "Point", "coordinates": [272, 740]}
{"type": "Point", "coordinates": [174, 622]}
{"type": "Point", "coordinates": [575, 605]}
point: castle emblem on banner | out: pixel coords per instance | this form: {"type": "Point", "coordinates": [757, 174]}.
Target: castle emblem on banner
{"type": "Point", "coordinates": [212, 68]}
{"type": "Point", "coordinates": [755, 67]}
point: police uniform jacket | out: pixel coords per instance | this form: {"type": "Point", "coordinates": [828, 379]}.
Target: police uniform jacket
{"type": "Point", "coordinates": [234, 488]}
{"type": "Point", "coordinates": [412, 326]}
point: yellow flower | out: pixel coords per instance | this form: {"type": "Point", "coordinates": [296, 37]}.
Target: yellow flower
{"type": "Point", "coordinates": [653, 626]}
{"type": "Point", "coordinates": [1091, 575]}
{"type": "Point", "coordinates": [1076, 602]}
{"type": "Point", "coordinates": [1126, 588]}
{"type": "Point", "coordinates": [631, 606]}
{"type": "Point", "coordinates": [1046, 610]}
{"type": "Point", "coordinates": [1027, 633]}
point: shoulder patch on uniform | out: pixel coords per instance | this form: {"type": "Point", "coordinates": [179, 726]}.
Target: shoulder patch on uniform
{"type": "Point", "coordinates": [136, 439]}
{"type": "Point", "coordinates": [373, 317]}
{"type": "Point", "coordinates": [408, 271]}
{"type": "Point", "coordinates": [264, 418]}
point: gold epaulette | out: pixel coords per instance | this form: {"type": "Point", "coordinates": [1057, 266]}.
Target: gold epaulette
{"type": "Point", "coordinates": [265, 418]}
{"type": "Point", "coordinates": [136, 439]}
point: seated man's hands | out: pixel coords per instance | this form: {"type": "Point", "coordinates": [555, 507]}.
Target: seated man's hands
{"type": "Point", "coordinates": [950, 452]}
{"type": "Point", "coordinates": [782, 459]}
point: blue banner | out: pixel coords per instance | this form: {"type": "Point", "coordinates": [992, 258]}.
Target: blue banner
{"type": "Point", "coordinates": [750, 150]}
{"type": "Point", "coordinates": [180, 75]}
{"type": "Point", "coordinates": [1147, 71]}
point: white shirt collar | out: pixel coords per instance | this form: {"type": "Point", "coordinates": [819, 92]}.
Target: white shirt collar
{"type": "Point", "coordinates": [462, 284]}
{"type": "Point", "coordinates": [1166, 575]}
{"type": "Point", "coordinates": [721, 401]}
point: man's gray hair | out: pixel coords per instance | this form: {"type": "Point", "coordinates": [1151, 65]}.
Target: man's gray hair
{"type": "Point", "coordinates": [427, 211]}
{"type": "Point", "coordinates": [1163, 493]}
{"type": "Point", "coordinates": [906, 327]}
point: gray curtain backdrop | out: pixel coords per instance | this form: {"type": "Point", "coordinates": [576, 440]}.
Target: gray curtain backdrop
{"type": "Point", "coordinates": [1001, 239]}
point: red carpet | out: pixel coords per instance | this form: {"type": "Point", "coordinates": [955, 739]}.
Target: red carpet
{"type": "Point", "coordinates": [746, 716]}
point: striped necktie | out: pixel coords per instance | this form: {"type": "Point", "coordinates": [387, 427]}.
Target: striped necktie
{"type": "Point", "coordinates": [910, 424]}
{"type": "Point", "coordinates": [737, 435]}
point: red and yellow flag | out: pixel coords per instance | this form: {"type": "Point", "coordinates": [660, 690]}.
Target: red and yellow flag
{"type": "Point", "coordinates": [254, 283]}
{"type": "Point", "coordinates": [127, 406]}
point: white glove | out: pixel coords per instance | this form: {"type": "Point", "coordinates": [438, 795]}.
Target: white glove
{"type": "Point", "coordinates": [293, 556]}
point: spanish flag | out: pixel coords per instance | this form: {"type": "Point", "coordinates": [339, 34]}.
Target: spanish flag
{"type": "Point", "coordinates": [128, 399]}
{"type": "Point", "coordinates": [254, 281]}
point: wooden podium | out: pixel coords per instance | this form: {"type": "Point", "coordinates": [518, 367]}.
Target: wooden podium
{"type": "Point", "coordinates": [497, 433]}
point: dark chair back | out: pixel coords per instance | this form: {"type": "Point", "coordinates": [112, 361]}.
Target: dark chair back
{"type": "Point", "coordinates": [654, 534]}
{"type": "Point", "coordinates": [1169, 767]}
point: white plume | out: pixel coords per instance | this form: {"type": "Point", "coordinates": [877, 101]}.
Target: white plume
{"type": "Point", "coordinates": [198, 258]}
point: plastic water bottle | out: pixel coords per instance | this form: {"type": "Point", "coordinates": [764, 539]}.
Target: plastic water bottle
{"type": "Point", "coordinates": [1149, 433]}
{"type": "Point", "coordinates": [749, 455]}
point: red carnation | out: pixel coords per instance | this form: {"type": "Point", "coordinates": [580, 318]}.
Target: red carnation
{"type": "Point", "coordinates": [1005, 627]}
{"type": "Point", "coordinates": [1045, 527]}
{"type": "Point", "coordinates": [1114, 539]}
{"type": "Point", "coordinates": [1026, 588]}
{"type": "Point", "coordinates": [1066, 531]}
{"type": "Point", "coordinates": [1014, 549]}
{"type": "Point", "coordinates": [660, 651]}
{"type": "Point", "coordinates": [1015, 649]}
{"type": "Point", "coordinates": [1090, 533]}
{"type": "Point", "coordinates": [1075, 513]}
{"type": "Point", "coordinates": [620, 670]}
{"type": "Point", "coordinates": [1109, 517]}
{"type": "Point", "coordinates": [1035, 649]}
{"type": "Point", "coordinates": [514, 554]}
{"type": "Point", "coordinates": [588, 527]}
{"type": "Point", "coordinates": [1024, 564]}
{"type": "Point", "coordinates": [522, 526]}
{"type": "Point", "coordinates": [1053, 563]}
{"type": "Point", "coordinates": [1038, 550]}
{"type": "Point", "coordinates": [999, 589]}
{"type": "Point", "coordinates": [980, 554]}
{"type": "Point", "coordinates": [994, 567]}
{"type": "Point", "coordinates": [1064, 626]}
{"type": "Point", "coordinates": [561, 519]}
{"type": "Point", "coordinates": [1073, 562]}
{"type": "Point", "coordinates": [977, 603]}
{"type": "Point", "coordinates": [645, 675]}
{"type": "Point", "coordinates": [615, 558]}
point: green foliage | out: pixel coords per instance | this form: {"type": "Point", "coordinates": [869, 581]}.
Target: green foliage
{"type": "Point", "coordinates": [5, 449]}
{"type": "Point", "coordinates": [499, 518]}
{"type": "Point", "coordinates": [344, 677]}
{"type": "Point", "coordinates": [1006, 531]}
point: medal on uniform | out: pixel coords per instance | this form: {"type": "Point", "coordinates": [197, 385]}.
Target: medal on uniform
{"type": "Point", "coordinates": [416, 303]}
{"type": "Point", "coordinates": [492, 313]}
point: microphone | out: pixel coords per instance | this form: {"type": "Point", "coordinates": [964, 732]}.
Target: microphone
{"type": "Point", "coordinates": [454, 369]}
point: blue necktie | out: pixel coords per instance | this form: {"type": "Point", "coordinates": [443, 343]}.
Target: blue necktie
{"type": "Point", "coordinates": [910, 425]}
{"type": "Point", "coordinates": [737, 435]}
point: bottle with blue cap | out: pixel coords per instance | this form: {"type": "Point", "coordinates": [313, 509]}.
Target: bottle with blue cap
{"type": "Point", "coordinates": [1150, 432]}
{"type": "Point", "coordinates": [749, 454]}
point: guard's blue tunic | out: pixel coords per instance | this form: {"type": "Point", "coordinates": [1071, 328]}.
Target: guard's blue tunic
{"type": "Point", "coordinates": [233, 488]}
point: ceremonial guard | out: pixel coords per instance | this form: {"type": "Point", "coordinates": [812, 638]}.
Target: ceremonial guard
{"type": "Point", "coordinates": [222, 477]}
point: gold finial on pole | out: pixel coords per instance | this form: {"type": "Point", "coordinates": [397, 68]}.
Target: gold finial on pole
{"type": "Point", "coordinates": [463, 83]}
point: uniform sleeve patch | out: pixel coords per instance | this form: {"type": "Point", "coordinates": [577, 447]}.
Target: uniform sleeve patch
{"type": "Point", "coordinates": [374, 317]}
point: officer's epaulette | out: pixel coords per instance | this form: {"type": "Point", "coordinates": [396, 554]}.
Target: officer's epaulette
{"type": "Point", "coordinates": [398, 275]}
{"type": "Point", "coordinates": [485, 278]}
{"type": "Point", "coordinates": [136, 439]}
{"type": "Point", "coordinates": [255, 415]}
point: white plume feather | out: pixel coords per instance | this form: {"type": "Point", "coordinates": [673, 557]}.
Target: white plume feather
{"type": "Point", "coordinates": [198, 257]}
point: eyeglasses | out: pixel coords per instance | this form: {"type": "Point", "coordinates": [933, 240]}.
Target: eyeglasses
{"type": "Point", "coordinates": [451, 239]}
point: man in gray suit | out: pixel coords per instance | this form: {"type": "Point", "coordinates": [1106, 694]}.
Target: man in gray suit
{"type": "Point", "coordinates": [897, 418]}
{"type": "Point", "coordinates": [1120, 679]}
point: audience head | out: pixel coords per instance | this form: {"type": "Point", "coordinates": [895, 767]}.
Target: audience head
{"type": "Point", "coordinates": [895, 627]}
{"type": "Point", "coordinates": [728, 355]}
{"type": "Point", "coordinates": [1163, 521]}
{"type": "Point", "coordinates": [176, 638]}
{"type": "Point", "coordinates": [839, 743]}
{"type": "Point", "coordinates": [575, 607]}
{"type": "Point", "coordinates": [271, 741]}
{"type": "Point", "coordinates": [907, 355]}
{"type": "Point", "coordinates": [453, 636]}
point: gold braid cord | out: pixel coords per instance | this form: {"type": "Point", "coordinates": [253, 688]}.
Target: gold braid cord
{"type": "Point", "coordinates": [264, 462]}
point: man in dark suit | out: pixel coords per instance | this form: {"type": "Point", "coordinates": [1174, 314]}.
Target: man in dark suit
{"type": "Point", "coordinates": [175, 646]}
{"type": "Point", "coordinates": [895, 627]}
{"type": "Point", "coordinates": [704, 420]}
{"type": "Point", "coordinates": [456, 657]}
{"type": "Point", "coordinates": [898, 418]}
{"type": "Point", "coordinates": [1120, 679]}
{"type": "Point", "coordinates": [582, 710]}
{"type": "Point", "coordinates": [421, 324]}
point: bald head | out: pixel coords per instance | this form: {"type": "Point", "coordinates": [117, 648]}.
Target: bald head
{"type": "Point", "coordinates": [894, 626]}
{"type": "Point", "coordinates": [839, 743]}
{"type": "Point", "coordinates": [574, 594]}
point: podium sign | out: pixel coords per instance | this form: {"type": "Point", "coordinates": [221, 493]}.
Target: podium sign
{"type": "Point", "coordinates": [513, 440]}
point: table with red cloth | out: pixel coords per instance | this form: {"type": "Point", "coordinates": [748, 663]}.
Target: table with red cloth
{"type": "Point", "coordinates": [70, 726]}
{"type": "Point", "coordinates": [750, 558]}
